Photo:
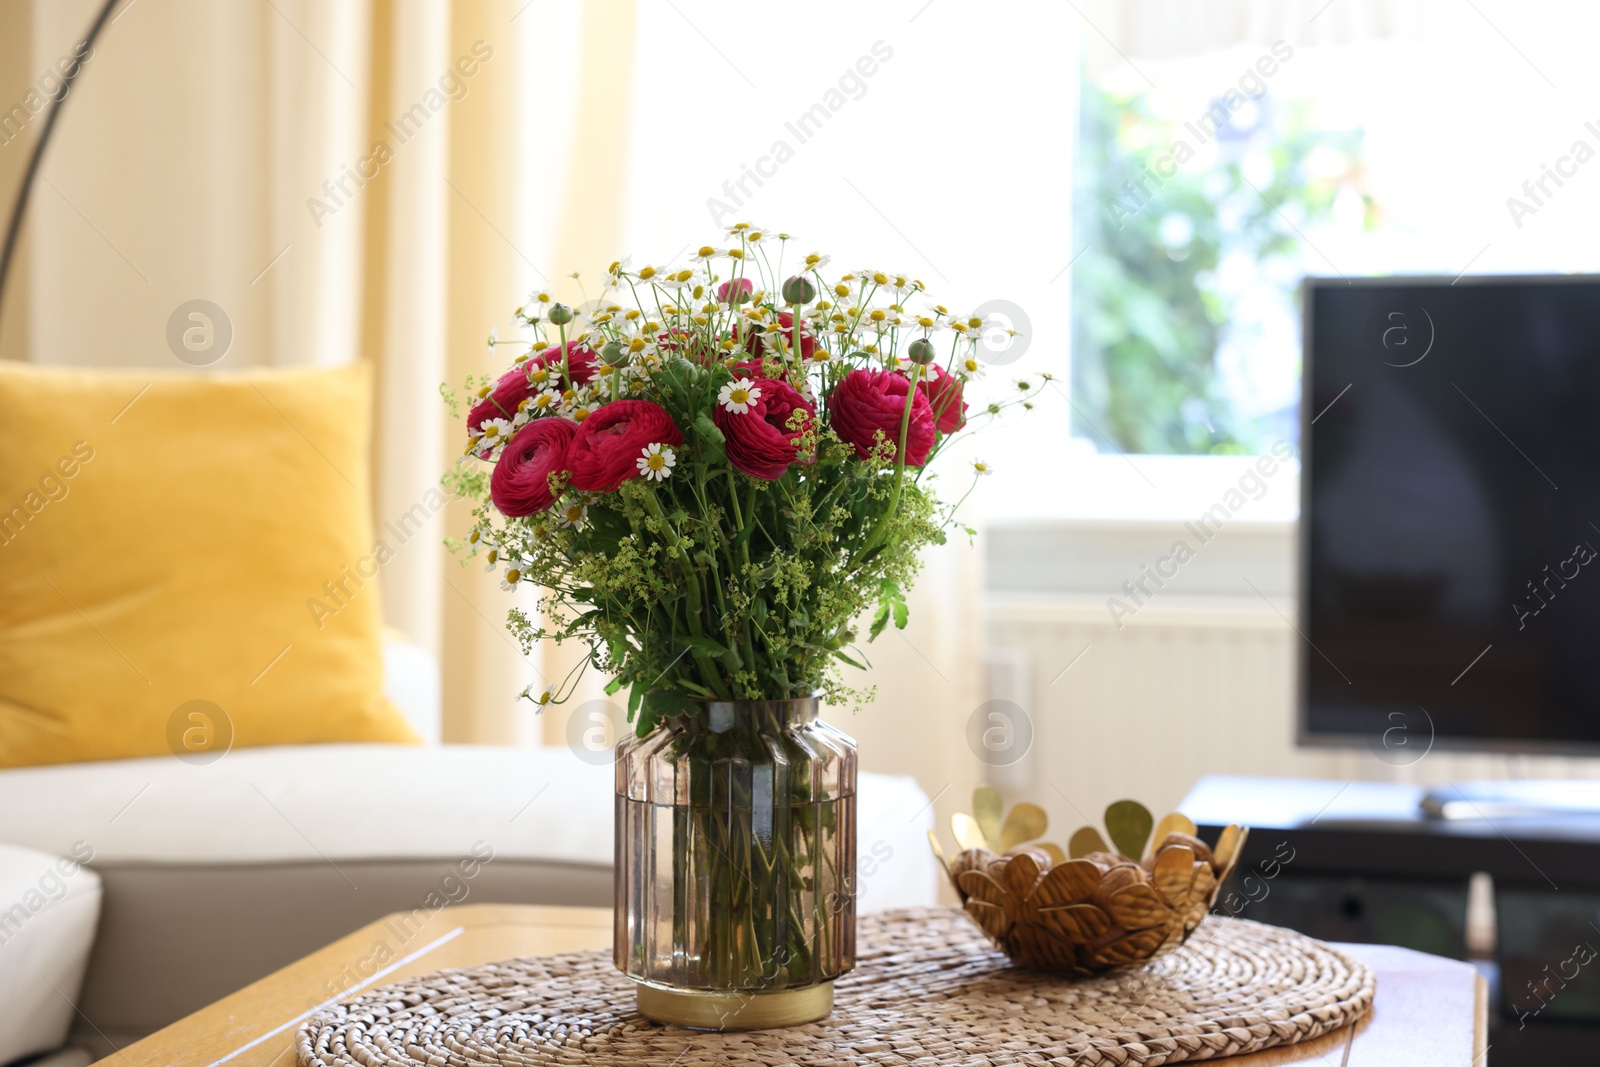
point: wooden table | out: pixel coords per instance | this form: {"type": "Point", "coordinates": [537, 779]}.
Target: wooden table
{"type": "Point", "coordinates": [1429, 1011]}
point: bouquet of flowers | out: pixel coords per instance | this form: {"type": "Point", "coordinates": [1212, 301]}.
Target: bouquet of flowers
{"type": "Point", "coordinates": [713, 469]}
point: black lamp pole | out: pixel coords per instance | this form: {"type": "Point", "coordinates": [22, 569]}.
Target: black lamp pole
{"type": "Point", "coordinates": [20, 206]}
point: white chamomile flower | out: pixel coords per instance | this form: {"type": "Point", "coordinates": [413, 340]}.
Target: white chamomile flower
{"type": "Point", "coordinates": [656, 461]}
{"type": "Point", "coordinates": [541, 697]}
{"type": "Point", "coordinates": [574, 515]}
{"type": "Point", "coordinates": [494, 339]}
{"type": "Point", "coordinates": [495, 431]}
{"type": "Point", "coordinates": [512, 577]}
{"type": "Point", "coordinates": [738, 395]}
{"type": "Point", "coordinates": [491, 560]}
{"type": "Point", "coordinates": [972, 366]}
{"type": "Point", "coordinates": [545, 401]}
{"type": "Point", "coordinates": [816, 261]}
{"type": "Point", "coordinates": [475, 537]}
{"type": "Point", "coordinates": [981, 469]}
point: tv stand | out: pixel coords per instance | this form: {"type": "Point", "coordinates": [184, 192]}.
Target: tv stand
{"type": "Point", "coordinates": [1544, 800]}
{"type": "Point", "coordinates": [1390, 863]}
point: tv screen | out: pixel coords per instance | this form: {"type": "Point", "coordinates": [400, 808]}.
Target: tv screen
{"type": "Point", "coordinates": [1450, 520]}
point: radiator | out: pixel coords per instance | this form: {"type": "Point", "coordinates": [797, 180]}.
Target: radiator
{"type": "Point", "coordinates": [1189, 686]}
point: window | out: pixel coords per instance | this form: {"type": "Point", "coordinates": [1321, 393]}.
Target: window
{"type": "Point", "coordinates": [1208, 185]}
{"type": "Point", "coordinates": [1193, 210]}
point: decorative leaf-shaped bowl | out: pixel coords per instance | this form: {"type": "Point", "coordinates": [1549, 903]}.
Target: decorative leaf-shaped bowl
{"type": "Point", "coordinates": [1096, 907]}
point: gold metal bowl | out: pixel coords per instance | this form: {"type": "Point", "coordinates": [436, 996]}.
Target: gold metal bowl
{"type": "Point", "coordinates": [1093, 908]}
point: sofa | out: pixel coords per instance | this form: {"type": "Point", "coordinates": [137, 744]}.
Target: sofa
{"type": "Point", "coordinates": [51, 905]}
{"type": "Point", "coordinates": [208, 876]}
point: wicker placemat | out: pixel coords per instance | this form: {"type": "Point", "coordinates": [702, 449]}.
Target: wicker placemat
{"type": "Point", "coordinates": [927, 989]}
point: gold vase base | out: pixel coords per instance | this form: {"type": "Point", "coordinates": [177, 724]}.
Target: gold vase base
{"type": "Point", "coordinates": [736, 1011]}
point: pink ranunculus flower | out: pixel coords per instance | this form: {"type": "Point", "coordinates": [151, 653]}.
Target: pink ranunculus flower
{"type": "Point", "coordinates": [520, 483]}
{"type": "Point", "coordinates": [606, 449]}
{"type": "Point", "coordinates": [765, 439]}
{"type": "Point", "coordinates": [867, 403]}
{"type": "Point", "coordinates": [514, 386]}
{"type": "Point", "coordinates": [944, 398]}
{"type": "Point", "coordinates": [501, 403]}
{"type": "Point", "coordinates": [581, 361]}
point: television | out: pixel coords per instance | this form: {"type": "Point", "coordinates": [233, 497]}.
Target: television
{"type": "Point", "coordinates": [1449, 579]}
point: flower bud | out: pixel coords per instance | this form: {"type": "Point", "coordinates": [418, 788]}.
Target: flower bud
{"type": "Point", "coordinates": [560, 314]}
{"type": "Point", "coordinates": [736, 292]}
{"type": "Point", "coordinates": [921, 351]}
{"type": "Point", "coordinates": [799, 290]}
{"type": "Point", "coordinates": [615, 353]}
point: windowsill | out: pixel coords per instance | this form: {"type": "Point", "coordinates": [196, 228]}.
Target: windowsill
{"type": "Point", "coordinates": [1140, 490]}
{"type": "Point", "coordinates": [1175, 610]}
{"type": "Point", "coordinates": [1103, 525]}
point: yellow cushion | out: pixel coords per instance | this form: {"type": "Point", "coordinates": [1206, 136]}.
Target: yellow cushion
{"type": "Point", "coordinates": [167, 539]}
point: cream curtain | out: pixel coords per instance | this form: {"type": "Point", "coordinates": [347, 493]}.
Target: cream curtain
{"type": "Point", "coordinates": [212, 151]}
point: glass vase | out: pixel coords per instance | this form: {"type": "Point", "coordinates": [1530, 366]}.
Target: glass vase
{"type": "Point", "coordinates": [735, 865]}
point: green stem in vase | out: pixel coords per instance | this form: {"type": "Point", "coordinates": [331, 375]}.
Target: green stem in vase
{"type": "Point", "coordinates": [760, 864]}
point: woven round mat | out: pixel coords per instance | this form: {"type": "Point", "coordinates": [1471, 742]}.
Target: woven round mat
{"type": "Point", "coordinates": [927, 989]}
